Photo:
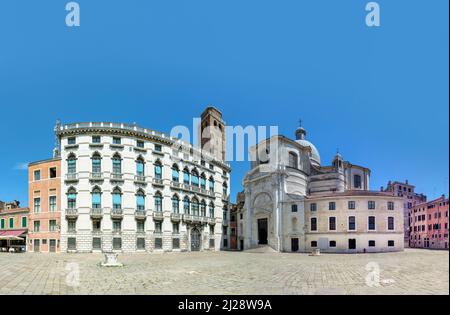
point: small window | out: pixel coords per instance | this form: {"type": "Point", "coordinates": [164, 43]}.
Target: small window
{"type": "Point", "coordinates": [140, 144]}
{"type": "Point", "coordinates": [176, 243]}
{"type": "Point", "coordinates": [158, 148]}
{"type": "Point", "coordinates": [117, 140]}
{"type": "Point", "coordinates": [371, 205]}
{"type": "Point", "coordinates": [391, 243]}
{"type": "Point", "coordinates": [71, 141]}
{"type": "Point", "coordinates": [37, 175]}
{"type": "Point", "coordinates": [371, 223]}
{"type": "Point", "coordinates": [391, 225]}
{"type": "Point", "coordinates": [391, 205]}
{"type": "Point", "coordinates": [352, 223]}
{"type": "Point", "coordinates": [96, 139]}
{"type": "Point", "coordinates": [332, 205]}
{"type": "Point", "coordinates": [313, 207]}
{"type": "Point", "coordinates": [52, 172]}
{"type": "Point", "coordinates": [313, 224]}
{"type": "Point", "coordinates": [332, 223]}
{"type": "Point", "coordinates": [294, 208]}
{"type": "Point", "coordinates": [71, 243]}
{"type": "Point", "coordinates": [117, 243]}
{"type": "Point", "coordinates": [372, 243]}
{"type": "Point", "coordinates": [140, 243]}
{"type": "Point", "coordinates": [351, 205]}
{"type": "Point", "coordinates": [96, 243]}
{"type": "Point", "coordinates": [313, 243]}
{"type": "Point", "coordinates": [357, 181]}
{"type": "Point", "coordinates": [332, 243]}
{"type": "Point", "coordinates": [158, 243]}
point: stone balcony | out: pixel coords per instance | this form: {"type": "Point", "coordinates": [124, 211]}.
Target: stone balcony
{"type": "Point", "coordinates": [71, 213]}
{"type": "Point", "coordinates": [117, 177]}
{"type": "Point", "coordinates": [140, 179]}
{"type": "Point", "coordinates": [116, 213]}
{"type": "Point", "coordinates": [158, 182]}
{"type": "Point", "coordinates": [96, 177]}
{"type": "Point", "coordinates": [192, 188]}
{"type": "Point", "coordinates": [140, 214]}
{"type": "Point", "coordinates": [175, 217]}
{"type": "Point", "coordinates": [96, 213]}
{"type": "Point", "coordinates": [193, 219]}
{"type": "Point", "coordinates": [71, 178]}
{"type": "Point", "coordinates": [158, 215]}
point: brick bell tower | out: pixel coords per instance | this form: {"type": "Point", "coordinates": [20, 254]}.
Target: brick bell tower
{"type": "Point", "coordinates": [212, 133]}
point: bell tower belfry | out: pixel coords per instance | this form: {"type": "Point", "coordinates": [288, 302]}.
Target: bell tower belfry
{"type": "Point", "coordinates": [212, 133]}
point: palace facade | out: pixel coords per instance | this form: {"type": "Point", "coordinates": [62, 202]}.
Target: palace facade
{"type": "Point", "coordinates": [294, 204]}
{"type": "Point", "coordinates": [125, 188]}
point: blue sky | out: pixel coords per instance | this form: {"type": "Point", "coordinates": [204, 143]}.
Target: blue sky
{"type": "Point", "coordinates": [379, 95]}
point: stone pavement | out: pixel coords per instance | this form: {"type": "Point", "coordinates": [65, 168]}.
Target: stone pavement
{"type": "Point", "coordinates": [414, 271]}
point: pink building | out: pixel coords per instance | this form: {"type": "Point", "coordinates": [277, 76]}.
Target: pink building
{"type": "Point", "coordinates": [429, 224]}
{"type": "Point", "coordinates": [410, 198]}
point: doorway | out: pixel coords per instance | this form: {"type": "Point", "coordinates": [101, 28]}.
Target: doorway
{"type": "Point", "coordinates": [352, 243]}
{"type": "Point", "coordinates": [52, 246]}
{"type": "Point", "coordinates": [195, 240]}
{"type": "Point", "coordinates": [36, 246]}
{"type": "Point", "coordinates": [262, 231]}
{"type": "Point", "coordinates": [294, 244]}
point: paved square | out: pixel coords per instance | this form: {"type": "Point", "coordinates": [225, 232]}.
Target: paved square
{"type": "Point", "coordinates": [411, 272]}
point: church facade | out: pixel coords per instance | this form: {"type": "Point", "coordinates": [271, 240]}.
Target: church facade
{"type": "Point", "coordinates": [294, 204]}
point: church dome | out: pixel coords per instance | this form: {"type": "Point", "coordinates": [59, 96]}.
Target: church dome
{"type": "Point", "coordinates": [300, 134]}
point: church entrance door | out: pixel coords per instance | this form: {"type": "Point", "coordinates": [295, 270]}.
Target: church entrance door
{"type": "Point", "coordinates": [262, 231]}
{"type": "Point", "coordinates": [195, 240]}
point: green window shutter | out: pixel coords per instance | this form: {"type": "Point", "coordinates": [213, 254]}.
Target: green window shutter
{"type": "Point", "coordinates": [24, 222]}
{"type": "Point", "coordinates": [2, 224]}
{"type": "Point", "coordinates": [11, 223]}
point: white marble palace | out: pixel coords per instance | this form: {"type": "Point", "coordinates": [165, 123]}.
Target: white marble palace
{"type": "Point", "coordinates": [294, 204]}
{"type": "Point", "coordinates": [127, 188]}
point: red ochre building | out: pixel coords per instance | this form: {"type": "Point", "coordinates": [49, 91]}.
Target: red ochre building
{"type": "Point", "coordinates": [13, 226]}
{"type": "Point", "coordinates": [429, 224]}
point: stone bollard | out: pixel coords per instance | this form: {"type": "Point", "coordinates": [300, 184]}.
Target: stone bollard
{"type": "Point", "coordinates": [315, 252]}
{"type": "Point", "coordinates": [111, 260]}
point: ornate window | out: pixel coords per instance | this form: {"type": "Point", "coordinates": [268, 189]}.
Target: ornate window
{"type": "Point", "coordinates": [140, 167]}
{"type": "Point", "coordinates": [71, 198]}
{"type": "Point", "coordinates": [158, 169]}
{"type": "Point", "coordinates": [96, 163]}
{"type": "Point", "coordinates": [211, 183]}
{"type": "Point", "coordinates": [186, 176]}
{"type": "Point", "coordinates": [175, 173]}
{"type": "Point", "coordinates": [140, 200]}
{"type": "Point", "coordinates": [96, 198]}
{"type": "Point", "coordinates": [225, 189]}
{"type": "Point", "coordinates": [195, 207]}
{"type": "Point", "coordinates": [203, 208]}
{"type": "Point", "coordinates": [117, 164]}
{"type": "Point", "coordinates": [203, 181]}
{"type": "Point", "coordinates": [194, 178]}
{"type": "Point", "coordinates": [72, 164]}
{"type": "Point", "coordinates": [158, 202]}
{"type": "Point", "coordinates": [117, 198]}
{"type": "Point", "coordinates": [211, 210]}
{"type": "Point", "coordinates": [175, 204]}
{"type": "Point", "coordinates": [186, 205]}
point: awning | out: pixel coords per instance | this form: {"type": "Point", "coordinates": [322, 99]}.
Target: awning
{"type": "Point", "coordinates": [11, 233]}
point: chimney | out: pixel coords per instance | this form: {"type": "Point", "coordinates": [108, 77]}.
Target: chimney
{"type": "Point", "coordinates": [406, 182]}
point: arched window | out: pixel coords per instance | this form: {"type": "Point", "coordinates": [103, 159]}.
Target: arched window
{"type": "Point", "coordinates": [211, 183]}
{"type": "Point", "coordinates": [96, 163]}
{"type": "Point", "coordinates": [186, 176]}
{"type": "Point", "coordinates": [71, 164]}
{"type": "Point", "coordinates": [175, 173]}
{"type": "Point", "coordinates": [293, 160]}
{"type": "Point", "coordinates": [140, 167]}
{"type": "Point", "coordinates": [194, 179]}
{"type": "Point", "coordinates": [140, 200]}
{"type": "Point", "coordinates": [158, 202]}
{"type": "Point", "coordinates": [158, 169]}
{"type": "Point", "coordinates": [117, 164]}
{"type": "Point", "coordinates": [71, 198]}
{"type": "Point", "coordinates": [211, 210]}
{"type": "Point", "coordinates": [225, 189]}
{"type": "Point", "coordinates": [175, 204]}
{"type": "Point", "coordinates": [117, 198]}
{"type": "Point", "coordinates": [203, 208]}
{"type": "Point", "coordinates": [203, 181]}
{"type": "Point", "coordinates": [96, 198]}
{"type": "Point", "coordinates": [195, 206]}
{"type": "Point", "coordinates": [186, 205]}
